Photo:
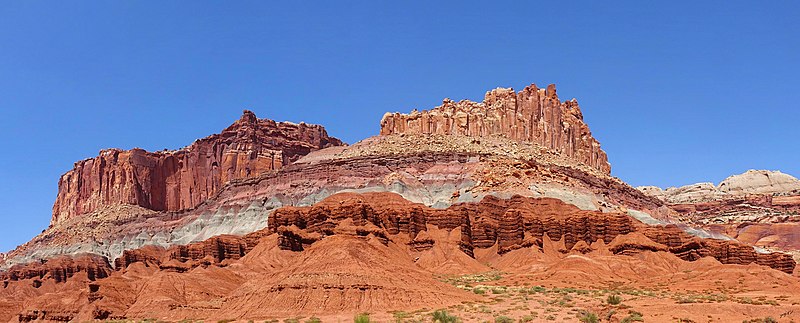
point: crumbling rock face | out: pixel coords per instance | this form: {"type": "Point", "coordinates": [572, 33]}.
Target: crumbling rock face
{"type": "Point", "coordinates": [692, 248]}
{"type": "Point", "coordinates": [213, 251]}
{"type": "Point", "coordinates": [534, 115]}
{"type": "Point", "coordinates": [508, 221]}
{"type": "Point", "coordinates": [31, 316]}
{"type": "Point", "coordinates": [59, 269]}
{"type": "Point", "coordinates": [378, 214]}
{"type": "Point", "coordinates": [515, 223]}
{"type": "Point", "coordinates": [291, 238]}
{"type": "Point", "coordinates": [182, 179]}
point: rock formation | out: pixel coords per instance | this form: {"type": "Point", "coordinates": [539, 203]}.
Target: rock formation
{"type": "Point", "coordinates": [180, 258]}
{"type": "Point", "coordinates": [757, 207]}
{"type": "Point", "coordinates": [751, 182]}
{"type": "Point", "coordinates": [60, 269]}
{"type": "Point", "coordinates": [533, 115]}
{"type": "Point", "coordinates": [269, 219]}
{"type": "Point", "coordinates": [760, 182]}
{"type": "Point", "coordinates": [358, 252]}
{"type": "Point", "coordinates": [510, 224]}
{"type": "Point", "coordinates": [182, 179]}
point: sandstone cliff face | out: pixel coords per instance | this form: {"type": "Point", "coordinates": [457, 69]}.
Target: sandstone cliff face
{"type": "Point", "coordinates": [60, 269]}
{"type": "Point", "coordinates": [534, 115]}
{"type": "Point", "coordinates": [182, 179]}
{"type": "Point", "coordinates": [511, 224]}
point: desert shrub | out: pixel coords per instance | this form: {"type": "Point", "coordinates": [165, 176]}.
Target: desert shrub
{"type": "Point", "coordinates": [588, 317]}
{"type": "Point", "coordinates": [614, 299]}
{"type": "Point", "coordinates": [399, 316]}
{"type": "Point", "coordinates": [313, 319]}
{"type": "Point", "coordinates": [361, 318]}
{"type": "Point", "coordinates": [503, 319]}
{"type": "Point", "coordinates": [441, 316]}
{"type": "Point", "coordinates": [686, 299]}
{"type": "Point", "coordinates": [767, 319]}
{"type": "Point", "coordinates": [526, 319]}
{"type": "Point", "coordinates": [633, 317]}
{"type": "Point", "coordinates": [479, 291]}
{"type": "Point", "coordinates": [538, 289]}
{"type": "Point", "coordinates": [291, 321]}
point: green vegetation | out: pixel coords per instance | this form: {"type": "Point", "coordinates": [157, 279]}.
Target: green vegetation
{"type": "Point", "coordinates": [472, 278]}
{"type": "Point", "coordinates": [633, 317]}
{"type": "Point", "coordinates": [503, 319]}
{"type": "Point", "coordinates": [400, 316]}
{"type": "Point", "coordinates": [361, 318]}
{"type": "Point", "coordinates": [767, 319]}
{"type": "Point", "coordinates": [614, 299]}
{"type": "Point", "coordinates": [441, 316]}
{"type": "Point", "coordinates": [498, 290]}
{"type": "Point", "coordinates": [313, 319]}
{"type": "Point", "coordinates": [588, 317]}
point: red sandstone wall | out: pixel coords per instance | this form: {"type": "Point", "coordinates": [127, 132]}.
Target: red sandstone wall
{"type": "Point", "coordinates": [533, 114]}
{"type": "Point", "coordinates": [176, 180]}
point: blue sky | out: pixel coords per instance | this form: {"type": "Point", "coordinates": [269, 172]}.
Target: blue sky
{"type": "Point", "coordinates": [677, 92]}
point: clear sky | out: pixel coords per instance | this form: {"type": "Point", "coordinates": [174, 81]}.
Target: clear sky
{"type": "Point", "coordinates": [677, 92]}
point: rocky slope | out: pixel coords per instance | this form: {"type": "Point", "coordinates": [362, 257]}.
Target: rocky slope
{"type": "Point", "coordinates": [533, 114]}
{"type": "Point", "coordinates": [355, 253]}
{"type": "Point", "coordinates": [182, 179]}
{"type": "Point", "coordinates": [758, 207]}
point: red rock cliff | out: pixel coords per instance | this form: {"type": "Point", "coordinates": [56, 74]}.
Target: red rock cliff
{"type": "Point", "coordinates": [533, 114]}
{"type": "Point", "coordinates": [176, 180]}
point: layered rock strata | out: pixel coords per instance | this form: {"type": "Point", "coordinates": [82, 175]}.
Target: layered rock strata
{"type": "Point", "coordinates": [59, 269]}
{"type": "Point", "coordinates": [533, 115]}
{"type": "Point", "coordinates": [353, 245]}
{"type": "Point", "coordinates": [435, 176]}
{"type": "Point", "coordinates": [182, 179]}
{"type": "Point", "coordinates": [218, 250]}
{"type": "Point", "coordinates": [510, 224]}
{"type": "Point", "coordinates": [751, 182]}
{"type": "Point", "coordinates": [757, 207]}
